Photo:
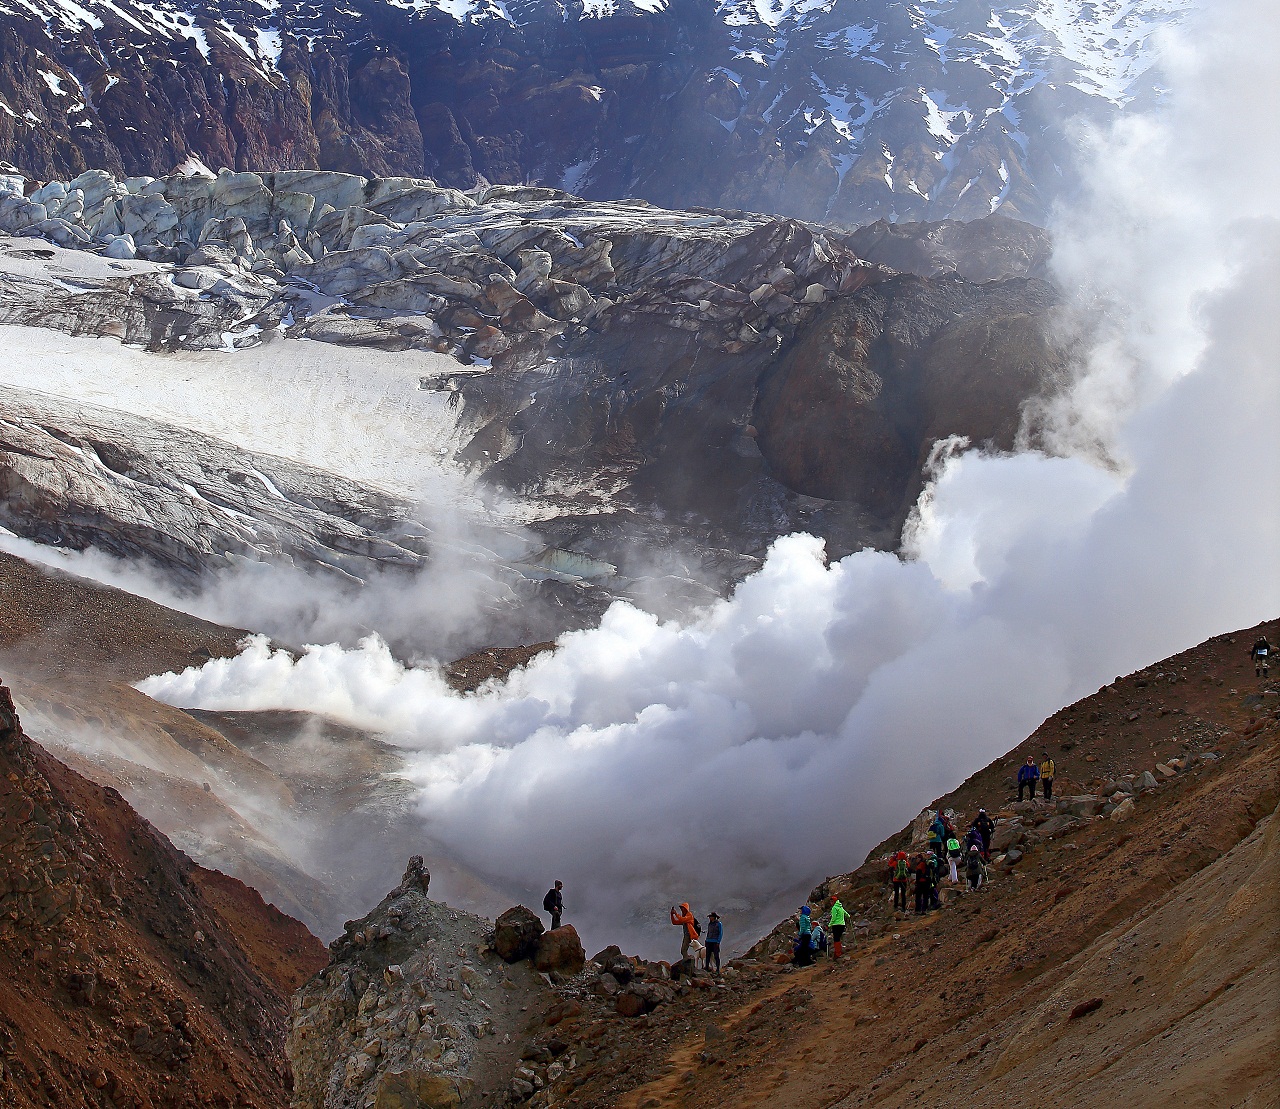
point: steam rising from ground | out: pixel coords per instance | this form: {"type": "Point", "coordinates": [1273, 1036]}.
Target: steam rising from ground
{"type": "Point", "coordinates": [778, 736]}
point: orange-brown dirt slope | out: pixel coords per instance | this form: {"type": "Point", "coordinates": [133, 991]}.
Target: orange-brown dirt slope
{"type": "Point", "coordinates": [129, 977]}
{"type": "Point", "coordinates": [1126, 950]}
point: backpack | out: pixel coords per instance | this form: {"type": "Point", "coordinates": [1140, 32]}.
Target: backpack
{"type": "Point", "coordinates": [697, 926]}
{"type": "Point", "coordinates": [900, 870]}
{"type": "Point", "coordinates": [549, 902]}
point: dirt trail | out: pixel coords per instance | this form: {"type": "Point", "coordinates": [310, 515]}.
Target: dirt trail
{"type": "Point", "coordinates": [1134, 959]}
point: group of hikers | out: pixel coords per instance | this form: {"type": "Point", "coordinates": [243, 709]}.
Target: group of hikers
{"type": "Point", "coordinates": [946, 852]}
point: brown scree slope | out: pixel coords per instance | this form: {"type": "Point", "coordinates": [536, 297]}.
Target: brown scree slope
{"type": "Point", "coordinates": [131, 977]}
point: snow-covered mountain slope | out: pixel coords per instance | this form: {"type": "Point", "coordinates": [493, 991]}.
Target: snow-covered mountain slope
{"type": "Point", "coordinates": [845, 111]}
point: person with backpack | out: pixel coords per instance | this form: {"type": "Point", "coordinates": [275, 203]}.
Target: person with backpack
{"type": "Point", "coordinates": [1028, 775]}
{"type": "Point", "coordinates": [715, 934]}
{"type": "Point", "coordinates": [1261, 655]}
{"type": "Point", "coordinates": [839, 919]}
{"type": "Point", "coordinates": [920, 868]}
{"type": "Point", "coordinates": [692, 929]}
{"type": "Point", "coordinates": [553, 903]}
{"type": "Point", "coordinates": [954, 855]}
{"type": "Point", "coordinates": [804, 937]}
{"type": "Point", "coordinates": [986, 828]}
{"type": "Point", "coordinates": [1046, 775]}
{"type": "Point", "coordinates": [973, 869]}
{"type": "Point", "coordinates": [901, 873]}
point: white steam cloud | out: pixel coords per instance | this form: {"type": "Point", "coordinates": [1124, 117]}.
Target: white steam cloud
{"type": "Point", "coordinates": [778, 736]}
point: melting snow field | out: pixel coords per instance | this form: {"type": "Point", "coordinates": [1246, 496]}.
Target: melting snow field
{"type": "Point", "coordinates": [356, 412]}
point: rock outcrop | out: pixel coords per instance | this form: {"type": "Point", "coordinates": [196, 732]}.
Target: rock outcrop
{"type": "Point", "coordinates": [126, 967]}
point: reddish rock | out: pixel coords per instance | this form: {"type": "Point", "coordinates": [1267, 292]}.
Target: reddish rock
{"type": "Point", "coordinates": [560, 950]}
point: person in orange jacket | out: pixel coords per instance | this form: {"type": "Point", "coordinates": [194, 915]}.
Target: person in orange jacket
{"type": "Point", "coordinates": [685, 918]}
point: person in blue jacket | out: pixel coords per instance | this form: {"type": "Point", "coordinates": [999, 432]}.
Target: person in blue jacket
{"type": "Point", "coordinates": [715, 933]}
{"type": "Point", "coordinates": [1028, 776]}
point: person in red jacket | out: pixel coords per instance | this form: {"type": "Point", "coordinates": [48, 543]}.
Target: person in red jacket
{"type": "Point", "coordinates": [685, 919]}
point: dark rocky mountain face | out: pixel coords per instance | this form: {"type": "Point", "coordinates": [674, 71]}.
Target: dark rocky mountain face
{"type": "Point", "coordinates": [847, 111]}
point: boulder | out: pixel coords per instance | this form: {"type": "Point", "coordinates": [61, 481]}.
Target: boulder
{"type": "Point", "coordinates": [120, 246]}
{"type": "Point", "coordinates": [1123, 811]}
{"type": "Point", "coordinates": [1146, 781]}
{"type": "Point", "coordinates": [1057, 825]}
{"type": "Point", "coordinates": [344, 271]}
{"type": "Point", "coordinates": [516, 934]}
{"type": "Point", "coordinates": [1165, 770]}
{"type": "Point", "coordinates": [1007, 833]}
{"type": "Point", "coordinates": [560, 950]}
{"type": "Point", "coordinates": [630, 1004]}
{"type": "Point", "coordinates": [417, 1089]}
{"type": "Point", "coordinates": [1087, 805]}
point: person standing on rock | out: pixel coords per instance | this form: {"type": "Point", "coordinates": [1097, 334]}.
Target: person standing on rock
{"type": "Point", "coordinates": [839, 918]}
{"type": "Point", "coordinates": [553, 903]}
{"type": "Point", "coordinates": [1046, 775]}
{"type": "Point", "coordinates": [1261, 655]}
{"type": "Point", "coordinates": [685, 919]}
{"type": "Point", "coordinates": [901, 873]}
{"type": "Point", "coordinates": [715, 934]}
{"type": "Point", "coordinates": [1028, 775]}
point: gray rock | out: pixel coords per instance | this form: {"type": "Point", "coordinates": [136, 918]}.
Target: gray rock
{"type": "Point", "coordinates": [1146, 781]}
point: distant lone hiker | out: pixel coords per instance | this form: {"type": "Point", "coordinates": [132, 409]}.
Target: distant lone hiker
{"type": "Point", "coordinates": [1261, 655]}
{"type": "Point", "coordinates": [715, 934]}
{"type": "Point", "coordinates": [553, 903]}
{"type": "Point", "coordinates": [686, 920]}
{"type": "Point", "coordinates": [1028, 775]}
{"type": "Point", "coordinates": [1046, 775]}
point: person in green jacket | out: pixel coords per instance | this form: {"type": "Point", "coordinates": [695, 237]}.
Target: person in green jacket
{"type": "Point", "coordinates": [838, 920]}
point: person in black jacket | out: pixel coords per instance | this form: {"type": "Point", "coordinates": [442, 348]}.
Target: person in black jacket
{"type": "Point", "coordinates": [553, 903]}
{"type": "Point", "coordinates": [986, 828]}
{"type": "Point", "coordinates": [1261, 655]}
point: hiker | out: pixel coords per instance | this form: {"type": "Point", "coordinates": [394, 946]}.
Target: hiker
{"type": "Point", "coordinates": [900, 873]}
{"type": "Point", "coordinates": [1261, 654]}
{"type": "Point", "coordinates": [973, 869]}
{"type": "Point", "coordinates": [1046, 775]}
{"type": "Point", "coordinates": [686, 920]}
{"type": "Point", "coordinates": [986, 828]}
{"type": "Point", "coordinates": [922, 885]}
{"type": "Point", "coordinates": [954, 855]}
{"type": "Point", "coordinates": [935, 841]}
{"type": "Point", "coordinates": [715, 933]}
{"type": "Point", "coordinates": [804, 938]}
{"type": "Point", "coordinates": [938, 836]}
{"type": "Point", "coordinates": [1028, 775]}
{"type": "Point", "coordinates": [818, 938]}
{"type": "Point", "coordinates": [553, 903]}
{"type": "Point", "coordinates": [838, 920]}
{"type": "Point", "coordinates": [934, 866]}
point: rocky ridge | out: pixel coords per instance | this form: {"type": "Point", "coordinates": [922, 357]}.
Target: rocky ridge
{"type": "Point", "coordinates": [131, 974]}
{"type": "Point", "coordinates": [742, 375]}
